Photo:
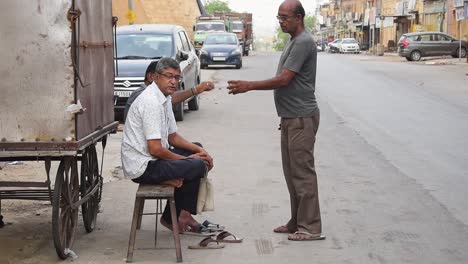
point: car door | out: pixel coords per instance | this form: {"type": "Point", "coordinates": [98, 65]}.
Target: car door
{"type": "Point", "coordinates": [426, 45]}
{"type": "Point", "coordinates": [184, 64]}
{"type": "Point", "coordinates": [193, 59]}
{"type": "Point", "coordinates": [445, 45]}
{"type": "Point", "coordinates": [188, 72]}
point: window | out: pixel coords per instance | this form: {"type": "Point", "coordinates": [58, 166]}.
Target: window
{"type": "Point", "coordinates": [444, 38]}
{"type": "Point", "coordinates": [183, 39]}
{"type": "Point", "coordinates": [427, 37]}
{"type": "Point", "coordinates": [144, 45]}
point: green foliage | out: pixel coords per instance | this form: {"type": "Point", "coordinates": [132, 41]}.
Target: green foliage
{"type": "Point", "coordinates": [310, 22]}
{"type": "Point", "coordinates": [212, 6]}
{"type": "Point", "coordinates": [281, 38]}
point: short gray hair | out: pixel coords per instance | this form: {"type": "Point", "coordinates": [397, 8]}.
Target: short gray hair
{"type": "Point", "coordinates": [165, 63]}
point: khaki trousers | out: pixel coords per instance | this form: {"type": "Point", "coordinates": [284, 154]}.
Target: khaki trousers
{"type": "Point", "coordinates": [297, 151]}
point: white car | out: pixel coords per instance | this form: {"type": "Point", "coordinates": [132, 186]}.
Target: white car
{"type": "Point", "coordinates": [349, 45]}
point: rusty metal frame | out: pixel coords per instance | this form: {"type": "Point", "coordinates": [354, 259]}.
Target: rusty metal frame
{"type": "Point", "coordinates": [17, 149]}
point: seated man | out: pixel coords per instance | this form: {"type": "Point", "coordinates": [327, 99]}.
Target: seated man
{"type": "Point", "coordinates": [147, 158]}
{"type": "Point", "coordinates": [177, 97]}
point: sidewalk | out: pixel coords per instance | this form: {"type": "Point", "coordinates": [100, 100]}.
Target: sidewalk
{"type": "Point", "coordinates": [439, 60]}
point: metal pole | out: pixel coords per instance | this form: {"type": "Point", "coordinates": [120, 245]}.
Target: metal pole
{"type": "Point", "coordinates": [460, 40]}
{"type": "Point", "coordinates": [130, 8]}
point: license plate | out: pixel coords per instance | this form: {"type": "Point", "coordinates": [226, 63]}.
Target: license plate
{"type": "Point", "coordinates": [123, 93]}
{"type": "Point", "coordinates": [219, 58]}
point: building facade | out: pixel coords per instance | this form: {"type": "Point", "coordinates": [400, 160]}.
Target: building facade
{"type": "Point", "coordinates": [373, 22]}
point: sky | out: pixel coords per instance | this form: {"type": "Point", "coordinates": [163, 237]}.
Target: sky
{"type": "Point", "coordinates": [264, 13]}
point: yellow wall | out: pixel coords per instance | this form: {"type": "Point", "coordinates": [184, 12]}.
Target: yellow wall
{"type": "Point", "coordinates": [179, 12]}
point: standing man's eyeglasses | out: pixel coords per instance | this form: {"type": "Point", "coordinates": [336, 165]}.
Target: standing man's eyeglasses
{"type": "Point", "coordinates": [284, 18]}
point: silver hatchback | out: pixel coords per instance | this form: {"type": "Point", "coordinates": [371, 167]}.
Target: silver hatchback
{"type": "Point", "coordinates": [414, 46]}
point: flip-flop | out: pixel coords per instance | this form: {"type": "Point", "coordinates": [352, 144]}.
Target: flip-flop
{"type": "Point", "coordinates": [226, 237]}
{"type": "Point", "coordinates": [199, 230]}
{"type": "Point", "coordinates": [310, 238]}
{"type": "Point", "coordinates": [212, 226]}
{"type": "Point", "coordinates": [207, 243]}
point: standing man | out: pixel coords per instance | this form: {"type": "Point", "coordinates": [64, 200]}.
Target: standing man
{"type": "Point", "coordinates": [294, 93]}
{"type": "Point", "coordinates": [149, 134]}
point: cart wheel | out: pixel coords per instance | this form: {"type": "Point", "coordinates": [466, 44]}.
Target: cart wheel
{"type": "Point", "coordinates": [64, 213]}
{"type": "Point", "coordinates": [89, 179]}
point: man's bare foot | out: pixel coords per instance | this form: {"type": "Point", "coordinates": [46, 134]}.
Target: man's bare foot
{"type": "Point", "coordinates": [167, 225]}
{"type": "Point", "coordinates": [282, 229]}
{"type": "Point", "coordinates": [174, 183]}
{"type": "Point", "coordinates": [186, 221]}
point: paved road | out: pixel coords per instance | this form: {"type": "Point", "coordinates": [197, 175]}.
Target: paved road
{"type": "Point", "coordinates": [390, 157]}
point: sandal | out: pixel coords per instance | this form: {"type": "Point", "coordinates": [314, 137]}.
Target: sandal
{"type": "Point", "coordinates": [207, 243]}
{"type": "Point", "coordinates": [306, 236]}
{"type": "Point", "coordinates": [199, 230]}
{"type": "Point", "coordinates": [212, 226]}
{"type": "Point", "coordinates": [226, 237]}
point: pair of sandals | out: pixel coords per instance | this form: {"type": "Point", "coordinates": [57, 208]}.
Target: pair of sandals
{"type": "Point", "coordinates": [215, 234]}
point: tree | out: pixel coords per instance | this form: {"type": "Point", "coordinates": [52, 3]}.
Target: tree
{"type": "Point", "coordinates": [282, 38]}
{"type": "Point", "coordinates": [212, 6]}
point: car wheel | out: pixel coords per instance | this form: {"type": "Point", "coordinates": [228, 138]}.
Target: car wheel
{"type": "Point", "coordinates": [203, 66]}
{"type": "Point", "coordinates": [457, 54]}
{"type": "Point", "coordinates": [179, 112]}
{"type": "Point", "coordinates": [238, 66]}
{"type": "Point", "coordinates": [415, 55]}
{"type": "Point", "coordinates": [408, 58]}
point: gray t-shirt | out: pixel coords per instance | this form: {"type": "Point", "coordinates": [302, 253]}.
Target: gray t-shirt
{"type": "Point", "coordinates": [149, 117]}
{"type": "Point", "coordinates": [298, 98]}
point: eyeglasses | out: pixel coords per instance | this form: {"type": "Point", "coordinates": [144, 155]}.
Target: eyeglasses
{"type": "Point", "coordinates": [284, 18]}
{"type": "Point", "coordinates": [177, 78]}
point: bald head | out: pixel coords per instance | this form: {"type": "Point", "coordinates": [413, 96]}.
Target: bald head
{"type": "Point", "coordinates": [294, 6]}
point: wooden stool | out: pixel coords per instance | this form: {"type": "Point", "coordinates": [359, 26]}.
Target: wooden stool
{"type": "Point", "coordinates": [159, 193]}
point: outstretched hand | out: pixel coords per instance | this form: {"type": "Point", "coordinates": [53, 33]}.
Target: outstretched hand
{"type": "Point", "coordinates": [236, 87]}
{"type": "Point", "coordinates": [205, 86]}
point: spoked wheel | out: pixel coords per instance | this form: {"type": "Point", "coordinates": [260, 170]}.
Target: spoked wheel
{"type": "Point", "coordinates": [91, 183]}
{"type": "Point", "coordinates": [65, 210]}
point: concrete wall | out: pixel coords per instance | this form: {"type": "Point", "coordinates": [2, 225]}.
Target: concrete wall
{"type": "Point", "coordinates": [179, 12]}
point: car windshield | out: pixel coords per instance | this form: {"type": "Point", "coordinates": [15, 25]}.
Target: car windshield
{"type": "Point", "coordinates": [144, 46]}
{"type": "Point", "coordinates": [349, 41]}
{"type": "Point", "coordinates": [237, 26]}
{"type": "Point", "coordinates": [221, 39]}
{"type": "Point", "coordinates": [210, 27]}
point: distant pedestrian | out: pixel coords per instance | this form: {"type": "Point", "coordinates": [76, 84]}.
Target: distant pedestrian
{"type": "Point", "coordinates": [294, 94]}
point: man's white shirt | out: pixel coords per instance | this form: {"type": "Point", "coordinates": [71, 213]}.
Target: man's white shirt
{"type": "Point", "coordinates": [150, 117]}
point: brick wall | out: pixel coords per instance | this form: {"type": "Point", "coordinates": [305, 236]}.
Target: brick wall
{"type": "Point", "coordinates": [179, 12]}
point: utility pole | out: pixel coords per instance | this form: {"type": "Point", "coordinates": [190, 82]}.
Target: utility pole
{"type": "Point", "coordinates": [130, 13]}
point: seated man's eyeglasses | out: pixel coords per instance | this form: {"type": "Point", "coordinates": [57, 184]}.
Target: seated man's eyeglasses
{"type": "Point", "coordinates": [283, 18]}
{"type": "Point", "coordinates": [169, 76]}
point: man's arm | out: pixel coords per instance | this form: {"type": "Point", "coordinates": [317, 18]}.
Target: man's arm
{"type": "Point", "coordinates": [156, 150]}
{"type": "Point", "coordinates": [281, 80]}
{"type": "Point", "coordinates": [178, 141]}
{"type": "Point", "coordinates": [181, 96]}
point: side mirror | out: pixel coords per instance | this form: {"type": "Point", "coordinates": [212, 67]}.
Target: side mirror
{"type": "Point", "coordinates": [183, 55]}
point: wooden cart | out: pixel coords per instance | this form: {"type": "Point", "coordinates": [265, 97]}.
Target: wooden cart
{"type": "Point", "coordinates": [56, 103]}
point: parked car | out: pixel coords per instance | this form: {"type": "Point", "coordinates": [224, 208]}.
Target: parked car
{"type": "Point", "coordinates": [332, 46]}
{"type": "Point", "coordinates": [221, 49]}
{"type": "Point", "coordinates": [137, 46]}
{"type": "Point", "coordinates": [414, 46]}
{"type": "Point", "coordinates": [348, 45]}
